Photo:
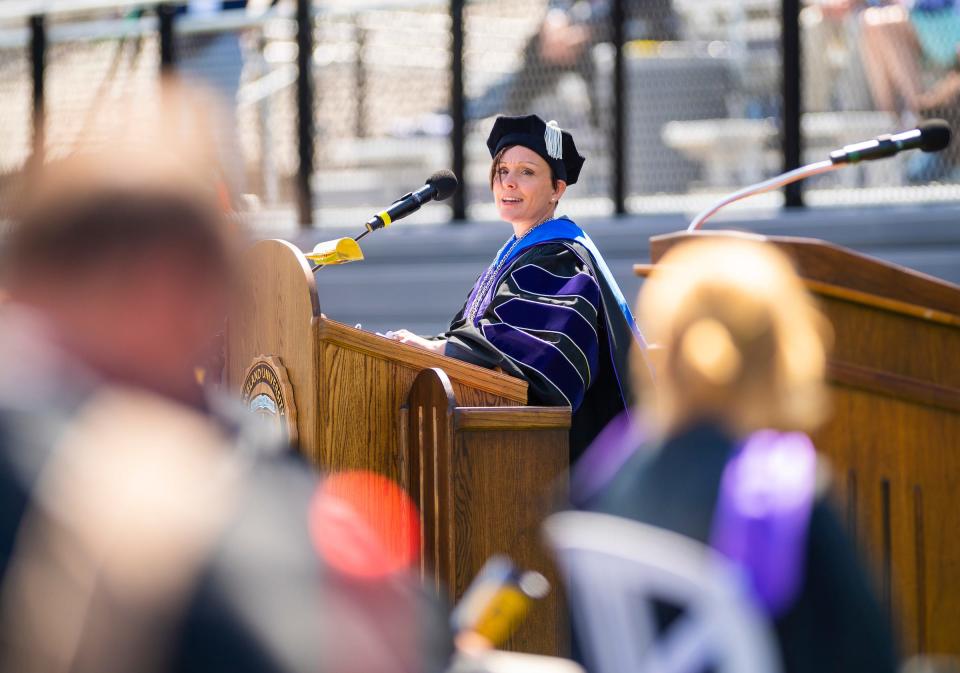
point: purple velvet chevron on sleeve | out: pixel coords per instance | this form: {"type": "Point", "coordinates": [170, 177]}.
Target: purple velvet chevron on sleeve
{"type": "Point", "coordinates": [553, 322]}
{"type": "Point", "coordinates": [536, 280]}
{"type": "Point", "coordinates": [543, 357]}
{"type": "Point", "coordinates": [547, 324]}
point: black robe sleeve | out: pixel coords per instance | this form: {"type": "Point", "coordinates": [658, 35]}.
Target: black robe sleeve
{"type": "Point", "coordinates": [543, 325]}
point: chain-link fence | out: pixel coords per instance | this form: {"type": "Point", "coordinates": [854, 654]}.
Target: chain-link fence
{"type": "Point", "coordinates": [383, 93]}
{"type": "Point", "coordinates": [871, 68]}
{"type": "Point", "coordinates": [673, 102]}
{"type": "Point", "coordinates": [95, 54]}
{"type": "Point", "coordinates": [88, 70]}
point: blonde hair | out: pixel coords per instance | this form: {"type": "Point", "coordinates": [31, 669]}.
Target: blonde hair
{"type": "Point", "coordinates": [741, 340]}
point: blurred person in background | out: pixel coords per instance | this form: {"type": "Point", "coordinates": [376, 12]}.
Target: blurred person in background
{"type": "Point", "coordinates": [744, 350]}
{"type": "Point", "coordinates": [138, 530]}
{"type": "Point", "coordinates": [563, 44]}
{"type": "Point", "coordinates": [547, 310]}
{"type": "Point", "coordinates": [898, 40]}
{"type": "Point", "coordinates": [834, 79]}
{"type": "Point", "coordinates": [910, 54]}
{"type": "Point", "coordinates": [215, 60]}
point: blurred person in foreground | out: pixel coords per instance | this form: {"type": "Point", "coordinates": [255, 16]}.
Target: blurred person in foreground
{"type": "Point", "coordinates": [138, 531]}
{"type": "Point", "coordinates": [118, 268]}
{"type": "Point", "coordinates": [744, 350]}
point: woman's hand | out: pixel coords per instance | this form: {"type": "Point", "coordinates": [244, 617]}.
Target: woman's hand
{"type": "Point", "coordinates": [408, 337]}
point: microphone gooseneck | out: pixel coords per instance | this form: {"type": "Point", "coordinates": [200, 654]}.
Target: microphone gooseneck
{"type": "Point", "coordinates": [932, 135]}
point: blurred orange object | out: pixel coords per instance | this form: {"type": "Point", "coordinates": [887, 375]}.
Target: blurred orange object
{"type": "Point", "coordinates": [365, 525]}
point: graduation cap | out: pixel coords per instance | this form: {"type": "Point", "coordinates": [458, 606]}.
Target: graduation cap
{"type": "Point", "coordinates": [547, 139]}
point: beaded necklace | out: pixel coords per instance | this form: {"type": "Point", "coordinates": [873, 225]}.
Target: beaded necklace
{"type": "Point", "coordinates": [490, 275]}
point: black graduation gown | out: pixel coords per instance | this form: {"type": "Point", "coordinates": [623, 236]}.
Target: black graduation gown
{"type": "Point", "coordinates": [554, 322]}
{"type": "Point", "coordinates": [835, 623]}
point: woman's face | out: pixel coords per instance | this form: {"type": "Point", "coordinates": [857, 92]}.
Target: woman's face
{"type": "Point", "coordinates": [523, 188]}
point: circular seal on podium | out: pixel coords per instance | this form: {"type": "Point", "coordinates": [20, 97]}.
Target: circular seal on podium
{"type": "Point", "coordinates": [267, 392]}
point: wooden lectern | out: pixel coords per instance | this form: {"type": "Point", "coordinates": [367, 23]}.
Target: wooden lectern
{"type": "Point", "coordinates": [487, 479]}
{"type": "Point", "coordinates": [479, 465]}
{"type": "Point", "coordinates": [894, 438]}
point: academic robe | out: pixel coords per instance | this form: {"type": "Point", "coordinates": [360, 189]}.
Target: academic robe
{"type": "Point", "coordinates": [552, 315]}
{"type": "Point", "coordinates": [833, 624]}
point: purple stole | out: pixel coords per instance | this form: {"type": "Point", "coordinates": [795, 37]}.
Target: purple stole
{"type": "Point", "coordinates": [763, 513]}
{"type": "Point", "coordinates": [763, 508]}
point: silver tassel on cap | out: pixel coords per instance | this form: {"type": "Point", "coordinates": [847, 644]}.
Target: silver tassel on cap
{"type": "Point", "coordinates": [553, 137]}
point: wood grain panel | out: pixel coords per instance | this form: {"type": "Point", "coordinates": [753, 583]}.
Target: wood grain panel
{"type": "Point", "coordinates": [884, 303]}
{"type": "Point", "coordinates": [895, 344]}
{"type": "Point", "coordinates": [486, 380]}
{"type": "Point", "coordinates": [912, 448]}
{"type": "Point", "coordinates": [469, 396]}
{"type": "Point", "coordinates": [920, 562]}
{"type": "Point", "coordinates": [505, 483]}
{"type": "Point", "coordinates": [276, 313]}
{"type": "Point", "coordinates": [856, 296]}
{"type": "Point", "coordinates": [511, 418]}
{"type": "Point", "coordinates": [431, 406]}
{"type": "Point", "coordinates": [489, 477]}
{"type": "Point", "coordinates": [362, 395]}
{"type": "Point", "coordinates": [359, 411]}
{"type": "Point", "coordinates": [900, 387]}
{"type": "Point", "coordinates": [833, 265]}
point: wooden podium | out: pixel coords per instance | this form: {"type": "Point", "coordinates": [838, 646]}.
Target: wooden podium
{"type": "Point", "coordinates": [481, 467]}
{"type": "Point", "coordinates": [894, 438]}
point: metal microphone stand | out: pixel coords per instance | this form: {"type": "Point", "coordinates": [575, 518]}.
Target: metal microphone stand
{"type": "Point", "coordinates": [767, 185]}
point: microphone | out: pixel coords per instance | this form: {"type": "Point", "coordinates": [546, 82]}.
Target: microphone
{"type": "Point", "coordinates": [932, 135]}
{"type": "Point", "coordinates": [439, 186]}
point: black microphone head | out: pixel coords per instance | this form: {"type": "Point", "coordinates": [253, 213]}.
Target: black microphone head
{"type": "Point", "coordinates": [934, 135]}
{"type": "Point", "coordinates": [445, 182]}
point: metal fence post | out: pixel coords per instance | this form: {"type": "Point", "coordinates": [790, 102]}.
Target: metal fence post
{"type": "Point", "coordinates": [360, 75]}
{"type": "Point", "coordinates": [38, 58]}
{"type": "Point", "coordinates": [168, 50]}
{"type": "Point", "coordinates": [618, 136]}
{"type": "Point", "coordinates": [792, 133]}
{"type": "Point", "coordinates": [457, 109]}
{"type": "Point", "coordinates": [305, 127]}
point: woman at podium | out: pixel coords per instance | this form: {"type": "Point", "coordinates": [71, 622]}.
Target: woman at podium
{"type": "Point", "coordinates": [547, 308]}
